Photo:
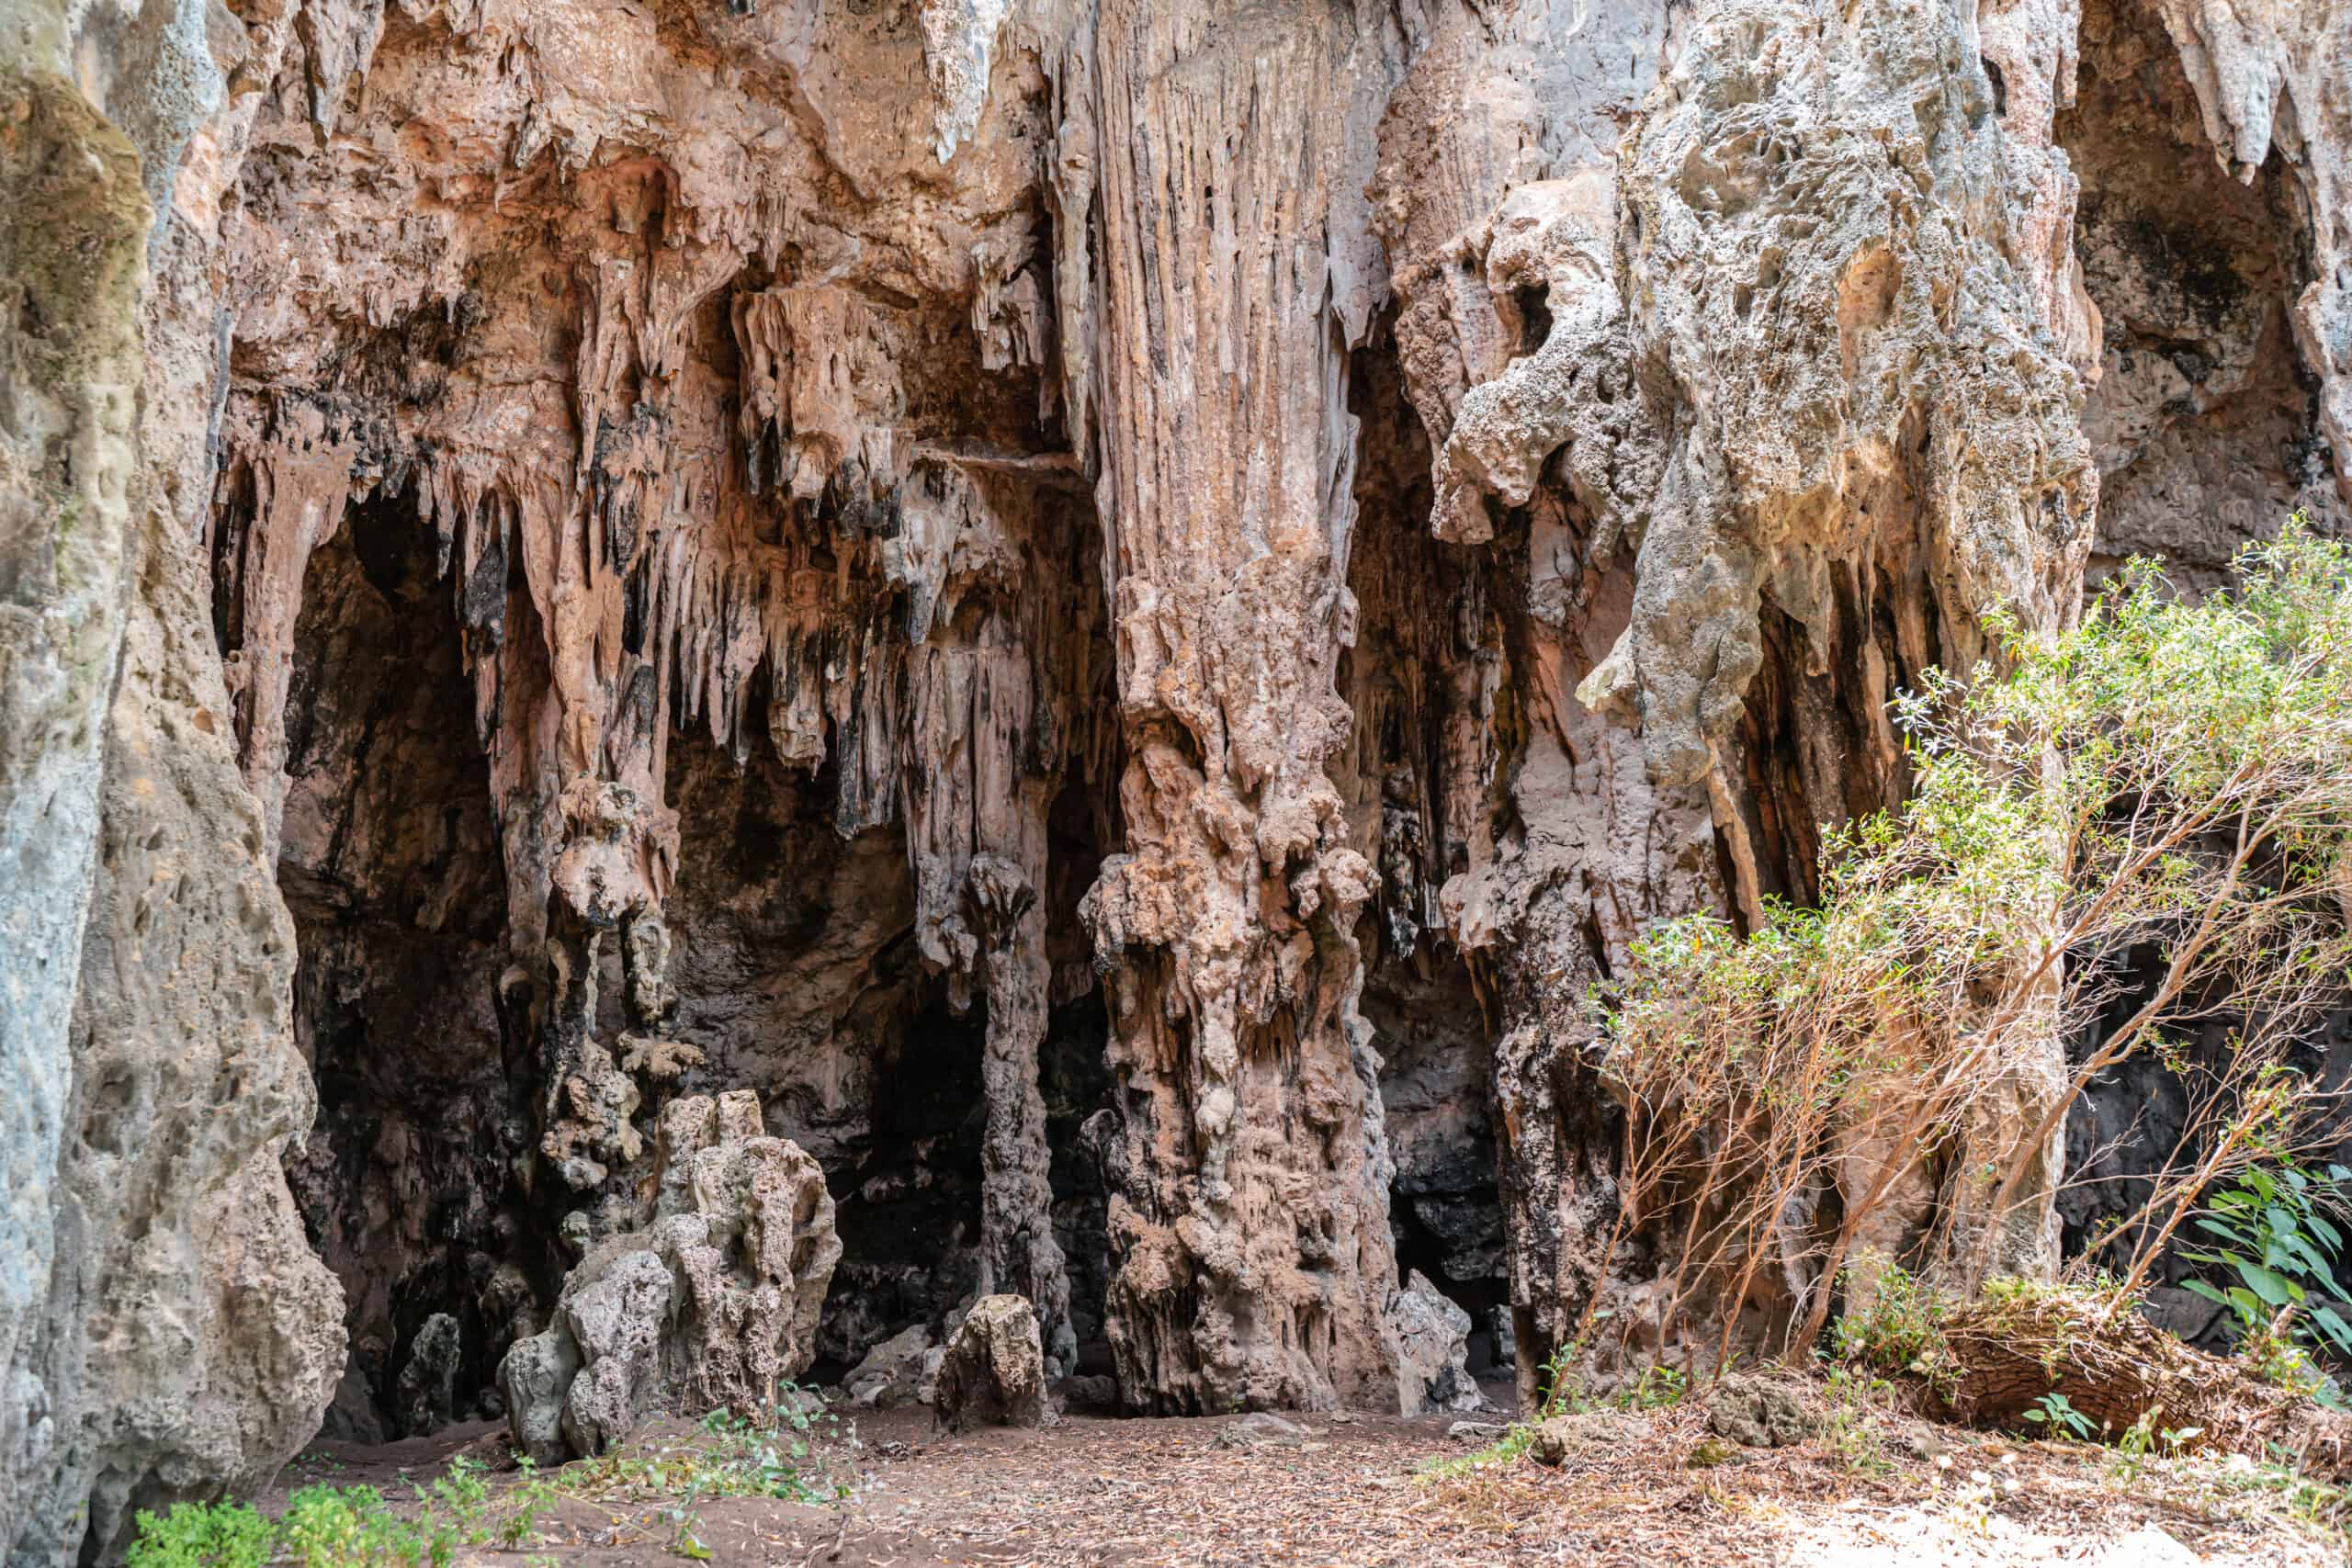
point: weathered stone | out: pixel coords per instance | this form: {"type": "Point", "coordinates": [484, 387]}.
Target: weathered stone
{"type": "Point", "coordinates": [988, 571]}
{"type": "Point", "coordinates": [902, 1370]}
{"type": "Point", "coordinates": [353, 1416]}
{"type": "Point", "coordinates": [705, 1304]}
{"type": "Point", "coordinates": [428, 1383]}
{"type": "Point", "coordinates": [1098, 1395]}
{"type": "Point", "coordinates": [1432, 1351]}
{"type": "Point", "coordinates": [1558, 1438]}
{"type": "Point", "coordinates": [994, 1371]}
{"type": "Point", "coordinates": [1758, 1413]}
{"type": "Point", "coordinates": [1260, 1429]}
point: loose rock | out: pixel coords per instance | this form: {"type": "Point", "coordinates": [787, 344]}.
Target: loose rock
{"type": "Point", "coordinates": [707, 1307]}
{"type": "Point", "coordinates": [994, 1371]}
{"type": "Point", "coordinates": [1758, 1413]}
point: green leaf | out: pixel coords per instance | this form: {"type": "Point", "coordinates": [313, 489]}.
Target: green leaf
{"type": "Point", "coordinates": [2213, 1225]}
{"type": "Point", "coordinates": [2339, 1332]}
{"type": "Point", "coordinates": [2276, 1289]}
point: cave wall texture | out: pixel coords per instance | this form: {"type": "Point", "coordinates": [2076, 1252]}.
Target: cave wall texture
{"type": "Point", "coordinates": [1115, 604]}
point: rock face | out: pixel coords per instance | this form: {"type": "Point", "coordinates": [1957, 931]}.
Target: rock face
{"type": "Point", "coordinates": [1114, 608]}
{"type": "Point", "coordinates": [994, 1371]}
{"type": "Point", "coordinates": [705, 1305]}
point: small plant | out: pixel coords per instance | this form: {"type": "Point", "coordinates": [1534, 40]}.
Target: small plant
{"type": "Point", "coordinates": [1660, 1387]}
{"type": "Point", "coordinates": [1564, 1394]}
{"type": "Point", "coordinates": [2141, 1442]}
{"type": "Point", "coordinates": [461, 1496]}
{"type": "Point", "coordinates": [531, 1497]}
{"type": "Point", "coordinates": [2274, 1240]}
{"type": "Point", "coordinates": [685, 1538]}
{"type": "Point", "coordinates": [1898, 1325]}
{"type": "Point", "coordinates": [352, 1527]}
{"type": "Point", "coordinates": [1850, 1433]}
{"type": "Point", "coordinates": [2053, 1412]}
{"type": "Point", "coordinates": [201, 1535]}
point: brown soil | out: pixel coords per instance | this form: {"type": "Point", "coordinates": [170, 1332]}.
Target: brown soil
{"type": "Point", "coordinates": [1880, 1488]}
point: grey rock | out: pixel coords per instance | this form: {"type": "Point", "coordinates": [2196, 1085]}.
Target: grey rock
{"type": "Point", "coordinates": [1558, 1438]}
{"type": "Point", "coordinates": [1432, 1351]}
{"type": "Point", "coordinates": [902, 1370]}
{"type": "Point", "coordinates": [353, 1417]}
{"type": "Point", "coordinates": [1092, 1392]}
{"type": "Point", "coordinates": [428, 1383]}
{"type": "Point", "coordinates": [708, 1304]}
{"type": "Point", "coordinates": [1260, 1429]}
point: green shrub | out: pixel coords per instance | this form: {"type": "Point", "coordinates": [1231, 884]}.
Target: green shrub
{"type": "Point", "coordinates": [2167, 778]}
{"type": "Point", "coordinates": [2274, 1245]}
{"type": "Point", "coordinates": [1897, 1325]}
{"type": "Point", "coordinates": [352, 1527]}
{"type": "Point", "coordinates": [201, 1535]}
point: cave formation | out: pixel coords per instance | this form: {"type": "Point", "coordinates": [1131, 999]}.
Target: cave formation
{"type": "Point", "coordinates": [1116, 606]}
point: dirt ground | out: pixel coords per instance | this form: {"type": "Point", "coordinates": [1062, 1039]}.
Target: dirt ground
{"type": "Point", "coordinates": [1648, 1488]}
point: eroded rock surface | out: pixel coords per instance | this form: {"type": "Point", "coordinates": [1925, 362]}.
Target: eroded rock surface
{"type": "Point", "coordinates": [707, 1304]}
{"type": "Point", "coordinates": [993, 1373]}
{"type": "Point", "coordinates": [1114, 607]}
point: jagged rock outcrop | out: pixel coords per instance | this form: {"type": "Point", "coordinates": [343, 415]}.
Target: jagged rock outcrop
{"type": "Point", "coordinates": [1115, 607]}
{"type": "Point", "coordinates": [705, 1305]}
{"type": "Point", "coordinates": [165, 1331]}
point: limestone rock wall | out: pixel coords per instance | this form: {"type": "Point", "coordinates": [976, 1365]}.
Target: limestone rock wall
{"type": "Point", "coordinates": [165, 1331]}
{"type": "Point", "coordinates": [1115, 606]}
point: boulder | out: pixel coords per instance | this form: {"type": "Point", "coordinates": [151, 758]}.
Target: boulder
{"type": "Point", "coordinates": [994, 1371]}
{"type": "Point", "coordinates": [353, 1417]}
{"type": "Point", "coordinates": [707, 1306]}
{"type": "Point", "coordinates": [1758, 1413]}
{"type": "Point", "coordinates": [1432, 1351]}
{"type": "Point", "coordinates": [1590, 1432]}
{"type": "Point", "coordinates": [428, 1383]}
{"type": "Point", "coordinates": [902, 1370]}
{"type": "Point", "coordinates": [1260, 1430]}
{"type": "Point", "coordinates": [1090, 1392]}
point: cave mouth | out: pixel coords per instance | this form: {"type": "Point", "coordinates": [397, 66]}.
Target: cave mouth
{"type": "Point", "coordinates": [1420, 604]}
{"type": "Point", "coordinates": [391, 865]}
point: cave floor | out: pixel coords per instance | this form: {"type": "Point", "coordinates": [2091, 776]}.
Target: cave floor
{"type": "Point", "coordinates": [1360, 1492]}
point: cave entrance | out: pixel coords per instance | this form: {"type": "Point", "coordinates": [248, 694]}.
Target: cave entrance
{"type": "Point", "coordinates": [797, 974]}
{"type": "Point", "coordinates": [391, 865]}
{"type": "Point", "coordinates": [1420, 635]}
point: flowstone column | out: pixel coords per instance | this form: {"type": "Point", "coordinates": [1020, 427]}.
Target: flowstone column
{"type": "Point", "coordinates": [1249, 1218]}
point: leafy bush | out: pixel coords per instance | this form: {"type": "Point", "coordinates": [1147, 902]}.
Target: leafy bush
{"type": "Point", "coordinates": [1897, 1325]}
{"type": "Point", "coordinates": [352, 1527]}
{"type": "Point", "coordinates": [2164, 778]}
{"type": "Point", "coordinates": [2273, 1236]}
{"type": "Point", "coordinates": [201, 1535]}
